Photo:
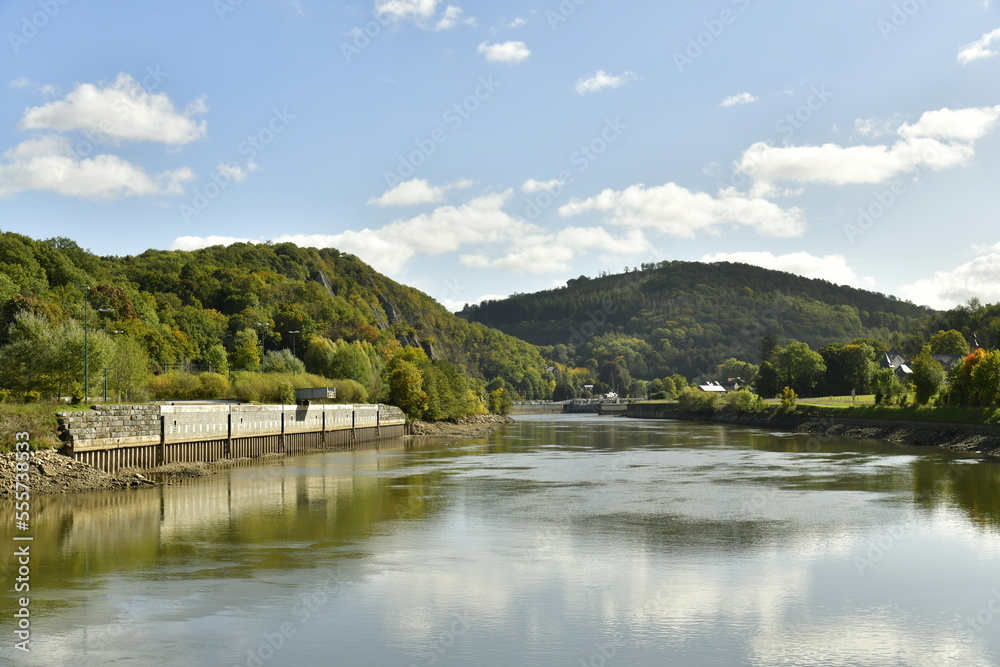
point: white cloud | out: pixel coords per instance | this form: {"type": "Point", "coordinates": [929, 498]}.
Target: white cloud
{"type": "Point", "coordinates": [877, 127]}
{"type": "Point", "coordinates": [554, 252]}
{"type": "Point", "coordinates": [833, 268]}
{"type": "Point", "coordinates": [679, 212]}
{"type": "Point", "coordinates": [236, 172]}
{"type": "Point", "coordinates": [979, 278]}
{"type": "Point", "coordinates": [839, 165]}
{"type": "Point", "coordinates": [398, 10]}
{"type": "Point", "coordinates": [601, 80]}
{"type": "Point", "coordinates": [452, 17]}
{"type": "Point", "coordinates": [980, 48]}
{"type": "Point", "coordinates": [954, 124]}
{"type": "Point", "coordinates": [532, 186]}
{"type": "Point", "coordinates": [48, 163]}
{"type": "Point", "coordinates": [199, 242]}
{"type": "Point", "coordinates": [416, 191]}
{"type": "Point", "coordinates": [735, 100]}
{"type": "Point", "coordinates": [516, 23]}
{"type": "Point", "coordinates": [121, 110]}
{"type": "Point", "coordinates": [421, 13]}
{"type": "Point", "coordinates": [510, 53]}
{"type": "Point", "coordinates": [940, 139]}
{"type": "Point", "coordinates": [25, 82]}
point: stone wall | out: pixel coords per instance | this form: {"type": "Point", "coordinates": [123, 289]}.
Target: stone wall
{"type": "Point", "coordinates": [117, 424]}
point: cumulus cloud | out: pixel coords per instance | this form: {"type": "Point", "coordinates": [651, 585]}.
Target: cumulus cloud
{"type": "Point", "coordinates": [235, 171]}
{"type": "Point", "coordinates": [510, 53]}
{"type": "Point", "coordinates": [532, 186]}
{"type": "Point", "coordinates": [516, 23]}
{"type": "Point", "coordinates": [954, 124]}
{"type": "Point", "coordinates": [25, 82]}
{"type": "Point", "coordinates": [736, 100]}
{"type": "Point", "coordinates": [122, 110]}
{"type": "Point", "coordinates": [940, 139]}
{"type": "Point", "coordinates": [422, 13]}
{"type": "Point", "coordinates": [416, 191]}
{"type": "Point", "coordinates": [833, 268]}
{"type": "Point", "coordinates": [679, 212]}
{"type": "Point", "coordinates": [601, 80]}
{"type": "Point", "coordinates": [554, 252]}
{"type": "Point", "coordinates": [48, 163]}
{"type": "Point", "coordinates": [978, 278]}
{"type": "Point", "coordinates": [980, 48]}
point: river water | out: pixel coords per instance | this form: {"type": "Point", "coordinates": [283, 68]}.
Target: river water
{"type": "Point", "coordinates": [559, 540]}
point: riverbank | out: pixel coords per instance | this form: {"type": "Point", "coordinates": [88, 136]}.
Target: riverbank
{"type": "Point", "coordinates": [975, 438]}
{"type": "Point", "coordinates": [52, 472]}
{"type": "Point", "coordinates": [476, 426]}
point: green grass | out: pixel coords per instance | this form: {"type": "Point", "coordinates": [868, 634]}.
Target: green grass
{"type": "Point", "coordinates": [839, 401]}
{"type": "Point", "coordinates": [981, 416]}
{"type": "Point", "coordinates": [36, 419]}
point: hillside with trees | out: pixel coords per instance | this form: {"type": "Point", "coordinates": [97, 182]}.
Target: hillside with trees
{"type": "Point", "coordinates": [175, 324]}
{"type": "Point", "coordinates": [687, 318]}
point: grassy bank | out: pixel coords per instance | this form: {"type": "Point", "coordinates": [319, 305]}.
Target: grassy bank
{"type": "Point", "coordinates": [37, 419]}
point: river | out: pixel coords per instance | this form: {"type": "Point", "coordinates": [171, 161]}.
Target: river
{"type": "Point", "coordinates": [560, 540]}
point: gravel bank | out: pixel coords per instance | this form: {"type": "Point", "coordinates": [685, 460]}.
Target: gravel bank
{"type": "Point", "coordinates": [477, 426]}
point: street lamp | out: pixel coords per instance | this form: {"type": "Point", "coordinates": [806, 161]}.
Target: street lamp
{"type": "Point", "coordinates": [262, 325]}
{"type": "Point", "coordinates": [118, 374]}
{"type": "Point", "coordinates": [86, 342]}
{"type": "Point", "coordinates": [106, 312]}
{"type": "Point", "coordinates": [294, 333]}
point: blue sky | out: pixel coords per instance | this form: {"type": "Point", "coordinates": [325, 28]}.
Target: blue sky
{"type": "Point", "coordinates": [479, 149]}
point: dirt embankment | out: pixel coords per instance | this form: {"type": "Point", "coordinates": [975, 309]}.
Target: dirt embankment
{"type": "Point", "coordinates": [477, 426]}
{"type": "Point", "coordinates": [956, 437]}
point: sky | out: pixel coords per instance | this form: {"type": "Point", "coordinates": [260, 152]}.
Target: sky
{"type": "Point", "coordinates": [474, 150]}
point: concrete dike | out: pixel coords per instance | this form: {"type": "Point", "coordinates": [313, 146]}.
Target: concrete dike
{"type": "Point", "coordinates": [146, 436]}
{"type": "Point", "coordinates": [973, 438]}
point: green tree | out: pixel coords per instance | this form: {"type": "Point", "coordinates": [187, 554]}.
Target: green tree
{"type": "Point", "coordinates": [800, 368]}
{"type": "Point", "coordinates": [500, 401]}
{"type": "Point", "coordinates": [734, 368]}
{"type": "Point", "coordinates": [886, 386]}
{"type": "Point", "coordinates": [246, 351]}
{"type": "Point", "coordinates": [282, 361]}
{"type": "Point", "coordinates": [406, 388]}
{"type": "Point", "coordinates": [949, 342]}
{"type": "Point", "coordinates": [848, 367]}
{"type": "Point", "coordinates": [928, 376]}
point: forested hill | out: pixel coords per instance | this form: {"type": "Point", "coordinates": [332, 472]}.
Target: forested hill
{"type": "Point", "coordinates": [687, 317]}
{"type": "Point", "coordinates": [192, 308]}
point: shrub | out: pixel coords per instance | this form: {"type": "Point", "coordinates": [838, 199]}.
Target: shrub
{"type": "Point", "coordinates": [789, 399]}
{"type": "Point", "coordinates": [696, 400]}
{"type": "Point", "coordinates": [742, 401]}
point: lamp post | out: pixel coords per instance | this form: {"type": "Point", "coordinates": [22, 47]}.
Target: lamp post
{"type": "Point", "coordinates": [86, 342]}
{"type": "Point", "coordinates": [294, 334]}
{"type": "Point", "coordinates": [261, 326]}
{"type": "Point", "coordinates": [118, 374]}
{"type": "Point", "coordinates": [106, 312]}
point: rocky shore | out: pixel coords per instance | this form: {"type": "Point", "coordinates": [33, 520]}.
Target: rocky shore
{"type": "Point", "coordinates": [477, 426]}
{"type": "Point", "coordinates": [51, 472]}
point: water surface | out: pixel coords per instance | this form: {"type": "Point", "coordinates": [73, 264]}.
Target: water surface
{"type": "Point", "coordinates": [560, 540]}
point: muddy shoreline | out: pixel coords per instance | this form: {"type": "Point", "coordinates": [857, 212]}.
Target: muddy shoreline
{"type": "Point", "coordinates": [969, 438]}
{"type": "Point", "coordinates": [52, 472]}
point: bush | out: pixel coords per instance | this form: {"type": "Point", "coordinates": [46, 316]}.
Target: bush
{"type": "Point", "coordinates": [696, 400]}
{"type": "Point", "coordinates": [789, 399]}
{"type": "Point", "coordinates": [660, 396]}
{"type": "Point", "coordinates": [742, 401]}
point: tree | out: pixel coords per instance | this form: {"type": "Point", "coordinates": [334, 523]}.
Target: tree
{"type": "Point", "coordinates": [949, 342]}
{"type": "Point", "coordinates": [767, 383]}
{"type": "Point", "coordinates": [406, 388]}
{"type": "Point", "coordinates": [734, 368]}
{"type": "Point", "coordinates": [500, 401]}
{"type": "Point", "coordinates": [563, 392]}
{"type": "Point", "coordinates": [768, 348]}
{"type": "Point", "coordinates": [246, 351]}
{"type": "Point", "coordinates": [799, 367]}
{"type": "Point", "coordinates": [928, 376]}
{"type": "Point", "coordinates": [886, 386]}
{"type": "Point", "coordinates": [848, 367]}
{"type": "Point", "coordinates": [282, 361]}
